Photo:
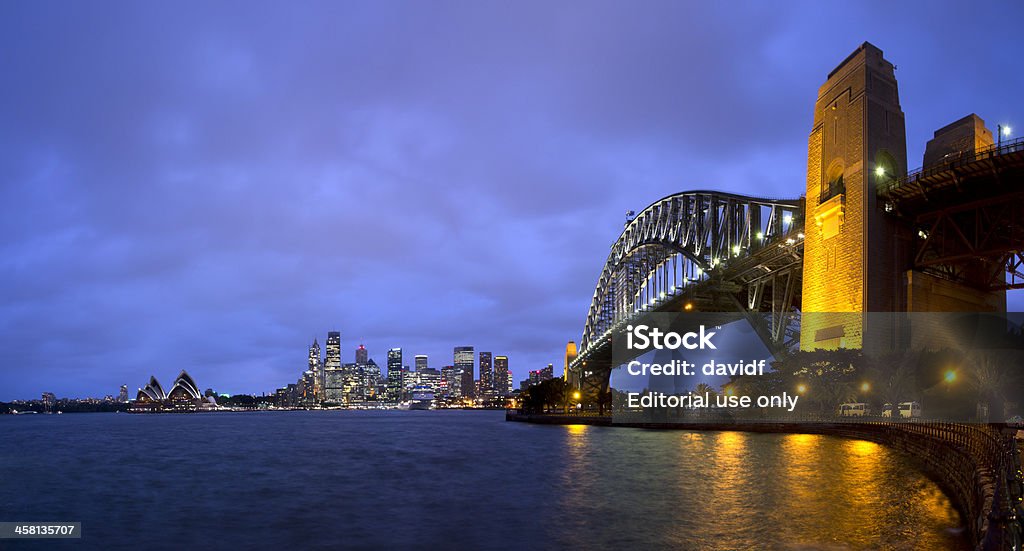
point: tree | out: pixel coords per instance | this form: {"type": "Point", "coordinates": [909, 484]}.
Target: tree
{"type": "Point", "coordinates": [992, 375]}
{"type": "Point", "coordinates": [543, 397]}
{"type": "Point", "coordinates": [894, 374]}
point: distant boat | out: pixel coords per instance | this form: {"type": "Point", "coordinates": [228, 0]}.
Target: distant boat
{"type": "Point", "coordinates": [422, 398]}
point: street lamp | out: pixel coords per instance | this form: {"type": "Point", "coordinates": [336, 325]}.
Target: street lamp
{"type": "Point", "coordinates": [801, 388]}
{"type": "Point", "coordinates": [865, 387]}
{"type": "Point", "coordinates": [950, 376]}
{"type": "Point", "coordinates": [1002, 131]}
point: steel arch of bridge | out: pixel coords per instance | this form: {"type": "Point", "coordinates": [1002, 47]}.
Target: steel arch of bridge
{"type": "Point", "coordinates": [690, 238]}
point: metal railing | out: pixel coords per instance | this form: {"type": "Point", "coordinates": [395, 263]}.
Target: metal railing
{"type": "Point", "coordinates": [954, 161]}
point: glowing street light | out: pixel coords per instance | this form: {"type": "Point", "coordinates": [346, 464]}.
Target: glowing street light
{"type": "Point", "coordinates": [1003, 131]}
{"type": "Point", "coordinates": [865, 387]}
{"type": "Point", "coordinates": [801, 388]}
{"type": "Point", "coordinates": [576, 395]}
{"type": "Point", "coordinates": [950, 376]}
{"type": "Point", "coordinates": [879, 171]}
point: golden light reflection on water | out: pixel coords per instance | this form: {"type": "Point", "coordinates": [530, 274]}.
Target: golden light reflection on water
{"type": "Point", "coordinates": [577, 429]}
{"type": "Point", "coordinates": [737, 490]}
{"type": "Point", "coordinates": [814, 491]}
{"type": "Point", "coordinates": [577, 476]}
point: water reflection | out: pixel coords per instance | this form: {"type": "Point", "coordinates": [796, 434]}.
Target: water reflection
{"type": "Point", "coordinates": [544, 487]}
{"type": "Point", "coordinates": [735, 490]}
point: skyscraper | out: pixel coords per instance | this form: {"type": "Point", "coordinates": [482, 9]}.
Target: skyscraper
{"type": "Point", "coordinates": [430, 378]}
{"type": "Point", "coordinates": [332, 359]}
{"type": "Point", "coordinates": [332, 356]}
{"type": "Point", "coordinates": [421, 362]}
{"type": "Point", "coordinates": [123, 395]}
{"type": "Point", "coordinates": [314, 365]}
{"type": "Point", "coordinates": [464, 370]}
{"type": "Point", "coordinates": [395, 382]}
{"type": "Point", "coordinates": [372, 373]}
{"type": "Point", "coordinates": [334, 386]}
{"type": "Point", "coordinates": [354, 384]}
{"type": "Point", "coordinates": [501, 379]}
{"type": "Point", "coordinates": [368, 374]}
{"type": "Point", "coordinates": [331, 373]}
{"type": "Point", "coordinates": [451, 387]}
{"type": "Point", "coordinates": [486, 375]}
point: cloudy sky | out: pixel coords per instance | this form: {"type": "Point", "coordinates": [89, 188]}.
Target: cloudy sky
{"type": "Point", "coordinates": [209, 186]}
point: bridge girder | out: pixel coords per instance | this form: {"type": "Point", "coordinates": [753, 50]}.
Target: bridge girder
{"type": "Point", "coordinates": [968, 214]}
{"type": "Point", "coordinates": [701, 250]}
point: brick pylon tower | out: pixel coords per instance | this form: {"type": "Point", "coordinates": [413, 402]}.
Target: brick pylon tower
{"type": "Point", "coordinates": [855, 256]}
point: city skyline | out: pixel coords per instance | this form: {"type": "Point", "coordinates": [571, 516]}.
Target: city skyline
{"type": "Point", "coordinates": [181, 192]}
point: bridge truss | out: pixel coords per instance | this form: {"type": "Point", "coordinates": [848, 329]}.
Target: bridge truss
{"type": "Point", "coordinates": [700, 251]}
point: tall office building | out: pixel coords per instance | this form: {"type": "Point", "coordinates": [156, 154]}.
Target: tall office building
{"type": "Point", "coordinates": [123, 395]}
{"type": "Point", "coordinates": [367, 375]}
{"type": "Point", "coordinates": [314, 364]}
{"type": "Point", "coordinates": [450, 386]}
{"type": "Point", "coordinates": [502, 384]}
{"type": "Point", "coordinates": [308, 382]}
{"type": "Point", "coordinates": [395, 382]}
{"type": "Point", "coordinates": [486, 375]}
{"type": "Point", "coordinates": [409, 381]}
{"type": "Point", "coordinates": [371, 372]}
{"type": "Point", "coordinates": [421, 362]}
{"type": "Point", "coordinates": [332, 356]}
{"type": "Point", "coordinates": [466, 380]}
{"type": "Point", "coordinates": [464, 369]}
{"type": "Point", "coordinates": [429, 378]}
{"type": "Point", "coordinates": [334, 386]}
{"type": "Point", "coordinates": [353, 384]}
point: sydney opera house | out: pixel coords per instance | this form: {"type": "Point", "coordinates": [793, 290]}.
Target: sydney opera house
{"type": "Point", "coordinates": [183, 396]}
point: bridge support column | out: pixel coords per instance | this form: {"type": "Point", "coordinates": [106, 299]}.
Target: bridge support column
{"type": "Point", "coordinates": [852, 263]}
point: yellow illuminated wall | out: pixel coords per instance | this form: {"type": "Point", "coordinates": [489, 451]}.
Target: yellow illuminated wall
{"type": "Point", "coordinates": [853, 259]}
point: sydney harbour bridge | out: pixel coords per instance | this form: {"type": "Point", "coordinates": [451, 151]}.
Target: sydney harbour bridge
{"type": "Point", "coordinates": [713, 251]}
{"type": "Point", "coordinates": [864, 235]}
{"type": "Point", "coordinates": [956, 224]}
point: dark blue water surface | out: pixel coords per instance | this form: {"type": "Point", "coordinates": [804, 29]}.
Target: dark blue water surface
{"type": "Point", "coordinates": [454, 480]}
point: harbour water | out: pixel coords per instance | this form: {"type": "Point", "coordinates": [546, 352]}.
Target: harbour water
{"type": "Point", "coordinates": [455, 480]}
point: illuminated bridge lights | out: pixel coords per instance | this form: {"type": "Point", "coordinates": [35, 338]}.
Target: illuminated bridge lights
{"type": "Point", "coordinates": [713, 242]}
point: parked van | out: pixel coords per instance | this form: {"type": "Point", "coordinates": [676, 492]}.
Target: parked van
{"type": "Point", "coordinates": [907, 410]}
{"type": "Point", "coordinates": [854, 409]}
